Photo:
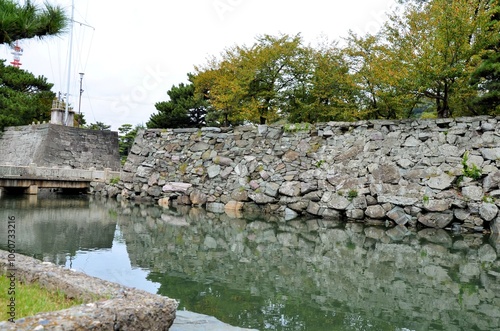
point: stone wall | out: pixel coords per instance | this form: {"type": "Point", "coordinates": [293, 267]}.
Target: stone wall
{"type": "Point", "coordinates": [49, 145]}
{"type": "Point", "coordinates": [440, 173]}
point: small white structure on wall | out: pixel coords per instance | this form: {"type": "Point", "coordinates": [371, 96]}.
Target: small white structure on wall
{"type": "Point", "coordinates": [58, 113]}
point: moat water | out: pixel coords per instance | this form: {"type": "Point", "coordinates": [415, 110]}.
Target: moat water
{"type": "Point", "coordinates": [266, 273]}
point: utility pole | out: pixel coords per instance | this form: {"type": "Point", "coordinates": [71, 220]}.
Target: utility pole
{"type": "Point", "coordinates": [80, 100]}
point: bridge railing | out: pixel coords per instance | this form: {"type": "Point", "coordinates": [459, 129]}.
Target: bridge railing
{"type": "Point", "coordinates": [34, 172]}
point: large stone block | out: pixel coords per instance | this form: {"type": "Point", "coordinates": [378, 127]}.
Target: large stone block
{"type": "Point", "coordinates": [290, 189]}
{"type": "Point", "coordinates": [436, 220]}
{"type": "Point", "coordinates": [495, 226]}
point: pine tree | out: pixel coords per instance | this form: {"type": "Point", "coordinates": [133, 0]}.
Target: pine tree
{"type": "Point", "coordinates": [29, 20]}
{"type": "Point", "coordinates": [24, 98]}
{"type": "Point", "coordinates": [486, 77]}
{"type": "Point", "coordinates": [185, 109]}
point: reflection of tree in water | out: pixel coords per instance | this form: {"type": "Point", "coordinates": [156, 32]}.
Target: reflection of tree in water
{"type": "Point", "coordinates": [312, 275]}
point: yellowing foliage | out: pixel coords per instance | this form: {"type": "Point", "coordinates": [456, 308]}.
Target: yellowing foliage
{"type": "Point", "coordinates": [421, 61]}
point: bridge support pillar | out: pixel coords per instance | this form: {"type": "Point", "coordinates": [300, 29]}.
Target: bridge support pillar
{"type": "Point", "coordinates": [33, 189]}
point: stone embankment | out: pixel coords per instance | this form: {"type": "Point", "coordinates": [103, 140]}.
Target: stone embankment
{"type": "Point", "coordinates": [441, 173]}
{"type": "Point", "coordinates": [52, 145]}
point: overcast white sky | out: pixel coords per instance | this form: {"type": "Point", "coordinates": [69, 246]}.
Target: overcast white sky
{"type": "Point", "coordinates": [137, 50]}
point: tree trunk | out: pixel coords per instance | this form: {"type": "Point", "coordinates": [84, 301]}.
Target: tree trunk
{"type": "Point", "coordinates": [444, 112]}
{"type": "Point", "coordinates": [439, 108]}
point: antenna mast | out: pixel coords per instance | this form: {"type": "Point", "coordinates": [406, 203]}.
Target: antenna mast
{"type": "Point", "coordinates": [66, 112]}
{"type": "Point", "coordinates": [17, 51]}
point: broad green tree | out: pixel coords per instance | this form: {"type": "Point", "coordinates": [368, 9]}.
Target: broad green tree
{"type": "Point", "coordinates": [255, 83]}
{"type": "Point", "coordinates": [24, 98]}
{"type": "Point", "coordinates": [185, 109]}
{"type": "Point", "coordinates": [379, 78]}
{"type": "Point", "coordinates": [25, 21]}
{"type": "Point", "coordinates": [220, 83]}
{"type": "Point", "coordinates": [329, 93]}
{"type": "Point", "coordinates": [433, 56]}
{"type": "Point", "coordinates": [436, 43]}
{"type": "Point", "coordinates": [278, 69]}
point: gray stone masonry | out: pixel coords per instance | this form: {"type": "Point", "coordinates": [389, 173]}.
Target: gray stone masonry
{"type": "Point", "coordinates": [109, 306]}
{"type": "Point", "coordinates": [52, 145]}
{"type": "Point", "coordinates": [441, 173]}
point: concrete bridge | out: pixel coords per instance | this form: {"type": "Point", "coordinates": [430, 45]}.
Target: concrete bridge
{"type": "Point", "coordinates": [31, 177]}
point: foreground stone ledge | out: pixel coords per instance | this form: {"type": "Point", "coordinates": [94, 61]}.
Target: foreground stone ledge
{"type": "Point", "coordinates": [110, 306]}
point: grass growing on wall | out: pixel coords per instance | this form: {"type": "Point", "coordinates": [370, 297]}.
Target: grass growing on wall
{"type": "Point", "coordinates": [32, 299]}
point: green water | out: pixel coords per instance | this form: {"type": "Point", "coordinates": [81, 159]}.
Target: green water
{"type": "Point", "coordinates": [267, 273]}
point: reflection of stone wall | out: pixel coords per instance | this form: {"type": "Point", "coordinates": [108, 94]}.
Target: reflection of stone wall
{"type": "Point", "coordinates": [48, 145]}
{"type": "Point", "coordinates": [369, 269]}
{"type": "Point", "coordinates": [404, 171]}
{"type": "Point", "coordinates": [48, 227]}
